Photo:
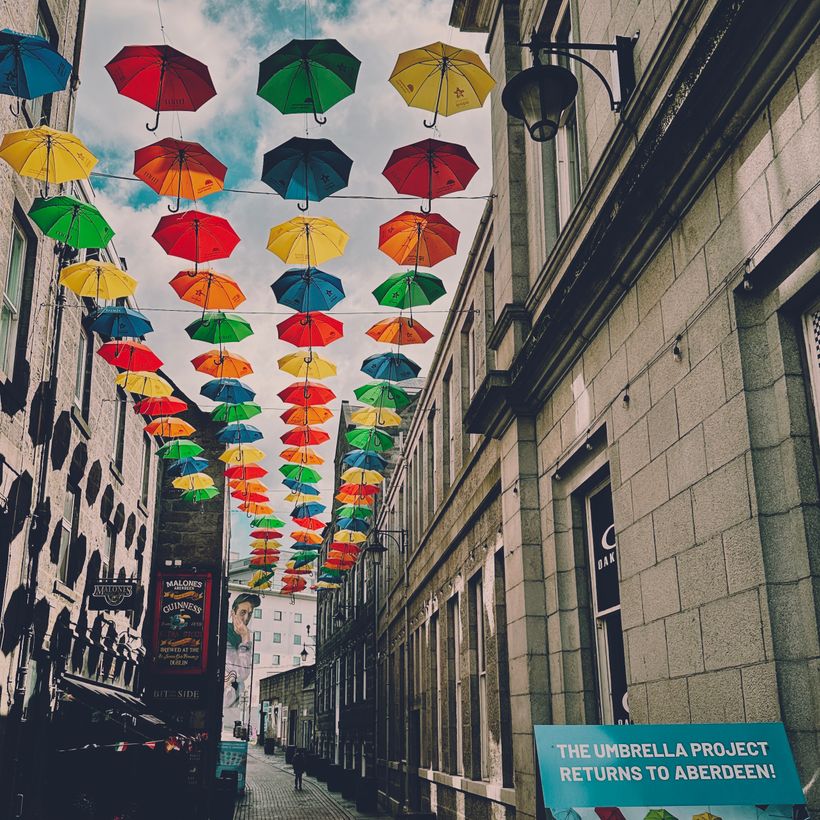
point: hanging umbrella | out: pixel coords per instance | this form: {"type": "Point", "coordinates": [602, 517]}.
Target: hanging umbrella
{"type": "Point", "coordinates": [308, 169]}
{"type": "Point", "coordinates": [204, 494]}
{"type": "Point", "coordinates": [375, 417]}
{"type": "Point", "coordinates": [307, 510]}
{"type": "Point", "coordinates": [130, 355]}
{"type": "Point", "coordinates": [302, 498]}
{"type": "Point", "coordinates": [382, 394]}
{"type": "Point", "coordinates": [306, 364]}
{"type": "Point", "coordinates": [307, 240]}
{"type": "Point", "coordinates": [46, 154]}
{"type": "Point", "coordinates": [349, 537]}
{"type": "Point", "coordinates": [169, 427]}
{"type": "Point", "coordinates": [353, 524]}
{"type": "Point", "coordinates": [300, 487]}
{"type": "Point", "coordinates": [308, 77]}
{"type": "Point", "coordinates": [300, 472]}
{"type": "Point", "coordinates": [565, 814]}
{"type": "Point", "coordinates": [344, 563]}
{"type": "Point", "coordinates": [196, 235]}
{"type": "Point", "coordinates": [159, 406]}
{"type": "Point", "coordinates": [418, 239]}
{"type": "Point", "coordinates": [264, 535]}
{"type": "Point", "coordinates": [228, 413]}
{"type": "Point", "coordinates": [369, 438]}
{"type": "Point", "coordinates": [230, 391]}
{"type": "Point", "coordinates": [306, 394]}
{"type": "Point", "coordinates": [306, 415]}
{"type": "Point", "coordinates": [652, 814]}
{"type": "Point", "coordinates": [246, 472]}
{"type": "Point", "coordinates": [400, 331]}
{"type": "Point", "coordinates": [118, 322]}
{"type": "Point", "coordinates": [353, 498]}
{"type": "Point", "coordinates": [304, 437]}
{"type": "Point", "coordinates": [222, 364]}
{"type": "Point", "coordinates": [706, 815]}
{"type": "Point", "coordinates": [310, 329]}
{"type": "Point", "coordinates": [409, 289]}
{"type": "Point", "coordinates": [187, 466]}
{"type": "Point", "coordinates": [360, 490]}
{"type": "Point", "coordinates": [67, 220]}
{"type": "Point", "coordinates": [98, 280]}
{"type": "Point", "coordinates": [181, 448]}
{"type": "Point", "coordinates": [364, 458]}
{"type": "Point", "coordinates": [239, 434]}
{"type": "Point", "coordinates": [359, 475]}
{"type": "Point", "coordinates": [245, 496]}
{"type": "Point", "coordinates": [306, 537]}
{"type": "Point", "coordinates": [144, 384]}
{"type": "Point", "coordinates": [261, 580]}
{"type": "Point", "coordinates": [219, 328]}
{"type": "Point", "coordinates": [249, 486]}
{"type": "Point", "coordinates": [394, 367]}
{"type": "Point", "coordinates": [326, 585]}
{"type": "Point", "coordinates": [30, 67]}
{"type": "Point", "coordinates": [343, 551]}
{"type": "Point", "coordinates": [265, 559]}
{"type": "Point", "coordinates": [242, 454]}
{"type": "Point", "coordinates": [609, 813]}
{"type": "Point", "coordinates": [195, 481]}
{"type": "Point", "coordinates": [308, 289]}
{"type": "Point", "coordinates": [161, 78]}
{"type": "Point", "coordinates": [309, 523]}
{"type": "Point", "coordinates": [441, 78]}
{"type": "Point", "coordinates": [207, 289]}
{"type": "Point", "coordinates": [178, 168]}
{"type": "Point", "coordinates": [354, 511]}
{"type": "Point", "coordinates": [255, 508]}
{"type": "Point", "coordinates": [430, 169]}
{"type": "Point", "coordinates": [267, 521]}
{"type": "Point", "coordinates": [301, 455]}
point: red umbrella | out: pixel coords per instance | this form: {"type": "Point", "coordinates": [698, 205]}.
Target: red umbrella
{"type": "Point", "coordinates": [266, 535]}
{"type": "Point", "coordinates": [609, 813]}
{"type": "Point", "coordinates": [161, 406]}
{"type": "Point", "coordinates": [344, 549]}
{"type": "Point", "coordinates": [306, 394]}
{"type": "Point", "coordinates": [130, 355]}
{"type": "Point", "coordinates": [304, 436]}
{"type": "Point", "coordinates": [246, 471]}
{"type": "Point", "coordinates": [250, 496]}
{"type": "Point", "coordinates": [196, 235]}
{"type": "Point", "coordinates": [430, 169]}
{"type": "Point", "coordinates": [359, 489]}
{"type": "Point", "coordinates": [309, 523]}
{"type": "Point", "coordinates": [161, 78]}
{"type": "Point", "coordinates": [310, 329]}
{"type": "Point", "coordinates": [418, 239]}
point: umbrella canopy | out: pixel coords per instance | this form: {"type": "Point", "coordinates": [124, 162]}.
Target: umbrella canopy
{"type": "Point", "coordinates": [353, 524]}
{"type": "Point", "coordinates": [375, 417]}
{"type": "Point", "coordinates": [307, 240]}
{"type": "Point", "coordinates": [249, 486]}
{"type": "Point", "coordinates": [652, 814]}
{"type": "Point", "coordinates": [230, 391]}
{"type": "Point", "coordinates": [130, 355]}
{"type": "Point", "coordinates": [247, 496]}
{"type": "Point", "coordinates": [304, 437]}
{"type": "Point", "coordinates": [169, 427]}
{"type": "Point", "coordinates": [349, 537]}
{"type": "Point", "coordinates": [98, 280]}
{"type": "Point", "coordinates": [235, 412]}
{"type": "Point", "coordinates": [343, 550]}
{"type": "Point", "coordinates": [382, 394]}
{"type": "Point", "coordinates": [307, 510]}
{"type": "Point", "coordinates": [565, 814]}
{"type": "Point", "coordinates": [418, 239]}
{"type": "Point", "coordinates": [306, 415]}
{"type": "Point", "coordinates": [366, 459]}
{"type": "Point", "coordinates": [302, 498]}
{"type": "Point", "coordinates": [706, 815]}
{"type": "Point", "coordinates": [187, 466]}
{"type": "Point", "coordinates": [238, 433]}
{"type": "Point", "coordinates": [160, 406]}
{"type": "Point", "coordinates": [369, 438]}
{"type": "Point", "coordinates": [351, 498]}
{"type": "Point", "coordinates": [300, 473]}
{"type": "Point", "coordinates": [394, 367]}
{"type": "Point", "coordinates": [306, 364]}
{"type": "Point", "coordinates": [255, 508]}
{"type": "Point", "coordinates": [354, 511]}
{"type": "Point", "coordinates": [310, 329]}
{"type": "Point", "coordinates": [203, 494]}
{"type": "Point", "coordinates": [68, 220]}
{"type": "Point", "coordinates": [362, 490]}
{"type": "Point", "coordinates": [118, 322]}
{"type": "Point", "coordinates": [144, 384]}
{"type": "Point", "coordinates": [180, 169]}
{"type": "Point", "coordinates": [30, 66]}
{"type": "Point", "coordinates": [308, 76]}
{"type": "Point", "coordinates": [400, 331]}
{"type": "Point", "coordinates": [261, 580]}
{"type": "Point", "coordinates": [196, 235]}
{"type": "Point", "coordinates": [222, 364]}
{"type": "Point", "coordinates": [270, 521]}
{"type": "Point", "coordinates": [242, 454]}
{"type": "Point", "coordinates": [219, 328]}
{"type": "Point", "coordinates": [260, 536]}
{"type": "Point", "coordinates": [326, 585]}
{"type": "Point", "coordinates": [195, 481]}
{"type": "Point", "coordinates": [409, 289]}
{"type": "Point", "coordinates": [340, 563]}
{"type": "Point", "coordinates": [360, 475]}
{"type": "Point", "coordinates": [441, 78]}
{"type": "Point", "coordinates": [306, 537]}
{"type": "Point", "coordinates": [306, 394]}
{"type": "Point", "coordinates": [266, 560]}
{"type": "Point", "coordinates": [609, 813]}
{"type": "Point", "coordinates": [245, 472]}
{"type": "Point", "coordinates": [309, 523]}
{"type": "Point", "coordinates": [308, 169]}
{"type": "Point", "coordinates": [207, 289]}
{"type": "Point", "coordinates": [301, 455]}
{"type": "Point", "coordinates": [308, 289]}
{"type": "Point", "coordinates": [181, 448]}
{"type": "Point", "coordinates": [161, 78]}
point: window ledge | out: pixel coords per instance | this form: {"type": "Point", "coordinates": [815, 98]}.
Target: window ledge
{"type": "Point", "coordinates": [115, 471]}
{"type": "Point", "coordinates": [482, 788]}
{"type": "Point", "coordinates": [80, 421]}
{"type": "Point", "coordinates": [141, 506]}
{"type": "Point", "coordinates": [65, 591]}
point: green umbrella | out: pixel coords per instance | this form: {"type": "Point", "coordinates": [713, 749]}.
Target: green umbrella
{"type": "Point", "coordinates": [302, 559]}
{"type": "Point", "coordinates": [200, 495]}
{"type": "Point", "coordinates": [218, 327]}
{"type": "Point", "coordinates": [267, 522]}
{"type": "Point", "coordinates": [230, 413]}
{"type": "Point", "coordinates": [369, 438]}
{"type": "Point", "coordinates": [180, 448]}
{"type": "Point", "coordinates": [382, 394]}
{"type": "Point", "coordinates": [71, 221]}
{"type": "Point", "coordinates": [308, 76]}
{"type": "Point", "coordinates": [659, 814]}
{"type": "Point", "coordinates": [354, 511]}
{"type": "Point", "coordinates": [300, 472]}
{"type": "Point", "coordinates": [409, 289]}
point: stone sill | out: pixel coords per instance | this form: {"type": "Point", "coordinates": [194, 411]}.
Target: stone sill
{"type": "Point", "coordinates": [115, 472]}
{"type": "Point", "coordinates": [480, 788]}
{"type": "Point", "coordinates": [65, 591]}
{"type": "Point", "coordinates": [80, 421]}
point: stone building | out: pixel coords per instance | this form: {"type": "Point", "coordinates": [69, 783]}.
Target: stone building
{"type": "Point", "coordinates": [288, 700]}
{"type": "Point", "coordinates": [610, 484]}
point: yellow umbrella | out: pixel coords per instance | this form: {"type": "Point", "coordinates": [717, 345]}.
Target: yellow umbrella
{"type": "Point", "coordinates": [98, 280]}
{"type": "Point", "coordinates": [306, 364]}
{"type": "Point", "coordinates": [262, 543]}
{"type": "Point", "coordinates": [144, 384]}
{"type": "Point", "coordinates": [328, 585]}
{"type": "Point", "coordinates": [351, 498]}
{"type": "Point", "coordinates": [301, 498]}
{"type": "Point", "coordinates": [376, 417]}
{"type": "Point", "coordinates": [301, 455]}
{"type": "Point", "coordinates": [195, 481]}
{"type": "Point", "coordinates": [307, 240]}
{"type": "Point", "coordinates": [261, 580]}
{"type": "Point", "coordinates": [441, 78]}
{"type": "Point", "coordinates": [349, 537]}
{"type": "Point", "coordinates": [46, 154]}
{"type": "Point", "coordinates": [358, 475]}
{"type": "Point", "coordinates": [253, 508]}
{"type": "Point", "coordinates": [242, 454]}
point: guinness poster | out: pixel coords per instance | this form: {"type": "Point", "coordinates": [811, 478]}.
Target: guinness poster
{"type": "Point", "coordinates": [181, 623]}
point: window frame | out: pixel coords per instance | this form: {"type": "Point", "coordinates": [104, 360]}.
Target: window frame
{"type": "Point", "coordinates": [119, 429]}
{"type": "Point", "coordinates": [8, 348]}
{"type": "Point", "coordinates": [69, 533]}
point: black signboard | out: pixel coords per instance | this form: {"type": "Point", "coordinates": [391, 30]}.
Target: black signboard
{"type": "Point", "coordinates": [604, 551]}
{"type": "Point", "coordinates": [112, 594]}
{"type": "Point", "coordinates": [181, 623]}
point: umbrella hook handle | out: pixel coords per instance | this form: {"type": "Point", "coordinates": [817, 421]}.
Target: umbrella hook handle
{"type": "Point", "coordinates": [16, 108]}
{"type": "Point", "coordinates": [304, 207]}
{"type": "Point", "coordinates": [153, 127]}
{"type": "Point", "coordinates": [175, 208]}
{"type": "Point", "coordinates": [426, 209]}
{"type": "Point", "coordinates": [320, 120]}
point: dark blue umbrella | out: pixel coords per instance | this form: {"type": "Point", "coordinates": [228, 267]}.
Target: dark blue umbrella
{"type": "Point", "coordinates": [299, 487]}
{"type": "Point", "coordinates": [118, 322]}
{"type": "Point", "coordinates": [366, 459]}
{"type": "Point", "coordinates": [308, 289]}
{"type": "Point", "coordinates": [30, 66]}
{"type": "Point", "coordinates": [356, 524]}
{"type": "Point", "coordinates": [394, 367]}
{"type": "Point", "coordinates": [187, 466]}
{"type": "Point", "coordinates": [238, 433]}
{"type": "Point", "coordinates": [307, 510]}
{"type": "Point", "coordinates": [306, 169]}
{"type": "Point", "coordinates": [230, 391]}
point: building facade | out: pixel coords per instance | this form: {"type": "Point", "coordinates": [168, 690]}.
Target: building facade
{"type": "Point", "coordinates": [288, 700]}
{"type": "Point", "coordinates": [610, 484]}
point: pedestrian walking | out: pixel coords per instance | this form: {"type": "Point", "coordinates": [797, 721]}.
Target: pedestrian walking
{"type": "Point", "coordinates": [298, 764]}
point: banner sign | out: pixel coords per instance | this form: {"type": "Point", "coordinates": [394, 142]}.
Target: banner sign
{"type": "Point", "coordinates": [112, 594]}
{"type": "Point", "coordinates": [233, 757]}
{"type": "Point", "coordinates": [181, 623]}
{"type": "Point", "coordinates": [238, 694]}
{"type": "Point", "coordinates": [667, 765]}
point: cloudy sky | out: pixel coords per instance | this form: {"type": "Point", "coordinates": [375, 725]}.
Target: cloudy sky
{"type": "Point", "coordinates": [232, 37]}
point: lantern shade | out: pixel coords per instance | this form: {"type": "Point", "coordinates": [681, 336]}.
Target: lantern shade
{"type": "Point", "coordinates": [538, 95]}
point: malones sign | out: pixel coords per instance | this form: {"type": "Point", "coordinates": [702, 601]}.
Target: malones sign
{"type": "Point", "coordinates": [113, 595]}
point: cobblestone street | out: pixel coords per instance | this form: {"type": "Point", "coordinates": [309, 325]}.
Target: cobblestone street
{"type": "Point", "coordinates": [269, 795]}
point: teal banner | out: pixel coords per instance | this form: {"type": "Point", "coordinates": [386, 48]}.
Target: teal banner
{"type": "Point", "coordinates": [720, 764]}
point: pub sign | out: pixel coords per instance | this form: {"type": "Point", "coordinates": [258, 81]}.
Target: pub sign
{"type": "Point", "coordinates": [113, 594]}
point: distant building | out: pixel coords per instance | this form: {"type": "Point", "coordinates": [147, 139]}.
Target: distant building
{"type": "Point", "coordinates": [287, 700]}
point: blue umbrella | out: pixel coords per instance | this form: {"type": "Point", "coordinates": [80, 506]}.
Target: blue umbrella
{"type": "Point", "coordinates": [366, 459]}
{"type": "Point", "coordinates": [239, 434]}
{"type": "Point", "coordinates": [356, 524]}
{"type": "Point", "coordinates": [187, 466]}
{"type": "Point", "coordinates": [300, 487]}
{"type": "Point", "coordinates": [394, 367]}
{"type": "Point", "coordinates": [307, 510]}
{"type": "Point", "coordinates": [302, 547]}
{"type": "Point", "coordinates": [118, 322]}
{"type": "Point", "coordinates": [306, 169]}
{"type": "Point", "coordinates": [308, 289]}
{"type": "Point", "coordinates": [30, 66]}
{"type": "Point", "coordinates": [230, 391]}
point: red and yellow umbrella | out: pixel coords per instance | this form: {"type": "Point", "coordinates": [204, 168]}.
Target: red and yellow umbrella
{"type": "Point", "coordinates": [301, 455]}
{"type": "Point", "coordinates": [306, 415]}
{"type": "Point", "coordinates": [221, 364]}
{"type": "Point", "coordinates": [248, 486]}
{"type": "Point", "coordinates": [207, 289]}
{"type": "Point", "coordinates": [305, 537]}
{"type": "Point", "coordinates": [169, 427]}
{"type": "Point", "coordinates": [254, 508]}
{"type": "Point", "coordinates": [400, 331]}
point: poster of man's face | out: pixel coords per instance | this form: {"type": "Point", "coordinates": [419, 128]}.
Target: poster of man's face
{"type": "Point", "coordinates": [238, 659]}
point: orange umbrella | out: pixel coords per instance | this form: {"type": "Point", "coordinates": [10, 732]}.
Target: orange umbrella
{"type": "Point", "coordinates": [169, 427]}
{"type": "Point", "coordinates": [302, 416]}
{"type": "Point", "coordinates": [339, 563]}
{"type": "Point", "coordinates": [309, 523]}
{"type": "Point", "coordinates": [264, 560]}
{"type": "Point", "coordinates": [359, 489]}
{"type": "Point", "coordinates": [222, 364]}
{"type": "Point", "coordinates": [254, 508]}
{"type": "Point", "coordinates": [301, 455]}
{"type": "Point", "coordinates": [207, 289]}
{"type": "Point", "coordinates": [251, 486]}
{"type": "Point", "coordinates": [351, 498]}
{"type": "Point", "coordinates": [297, 571]}
{"type": "Point", "coordinates": [400, 331]}
{"type": "Point", "coordinates": [305, 537]}
{"type": "Point", "coordinates": [418, 239]}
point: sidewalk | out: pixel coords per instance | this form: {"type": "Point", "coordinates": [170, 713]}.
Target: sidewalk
{"type": "Point", "coordinates": [269, 794]}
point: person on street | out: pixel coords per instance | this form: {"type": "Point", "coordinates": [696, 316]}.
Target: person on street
{"type": "Point", "coordinates": [298, 764]}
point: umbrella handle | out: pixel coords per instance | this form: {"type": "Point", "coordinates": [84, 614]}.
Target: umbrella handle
{"type": "Point", "coordinates": [426, 209]}
{"type": "Point", "coordinates": [438, 96]}
{"type": "Point", "coordinates": [433, 123]}
{"type": "Point", "coordinates": [175, 208]}
{"type": "Point", "coordinates": [303, 207]}
{"type": "Point", "coordinates": [320, 120]}
{"type": "Point", "coordinates": [153, 127]}
{"type": "Point", "coordinates": [17, 108]}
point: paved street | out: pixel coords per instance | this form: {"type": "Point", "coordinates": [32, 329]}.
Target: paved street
{"type": "Point", "coordinates": [269, 794]}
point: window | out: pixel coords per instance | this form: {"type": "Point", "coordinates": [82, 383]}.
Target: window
{"type": "Point", "coordinates": [296, 660]}
{"type": "Point", "coordinates": [480, 761]}
{"type": "Point", "coordinates": [256, 657]}
{"type": "Point", "coordinates": [110, 551]}
{"type": "Point", "coordinates": [432, 462]}
{"type": "Point", "coordinates": [469, 354]}
{"type": "Point", "coordinates": [119, 428]}
{"type": "Point", "coordinates": [277, 615]}
{"type": "Point", "coordinates": [82, 375]}
{"type": "Point", "coordinates": [297, 640]}
{"type": "Point", "coordinates": [257, 635]}
{"type": "Point", "coordinates": [70, 529]}
{"type": "Point", "coordinates": [276, 660]}
{"type": "Point", "coordinates": [257, 612]}
{"type": "Point", "coordinates": [297, 617]}
{"type": "Point", "coordinates": [435, 678]}
{"type": "Point", "coordinates": [454, 680]}
{"type": "Point", "coordinates": [39, 108]}
{"type": "Point", "coordinates": [147, 452]}
{"type": "Point", "coordinates": [277, 637]}
{"type": "Point", "coordinates": [12, 297]}
{"type": "Point", "coordinates": [812, 328]}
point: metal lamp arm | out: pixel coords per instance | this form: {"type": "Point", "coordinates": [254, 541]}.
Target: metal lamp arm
{"type": "Point", "coordinates": [598, 73]}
